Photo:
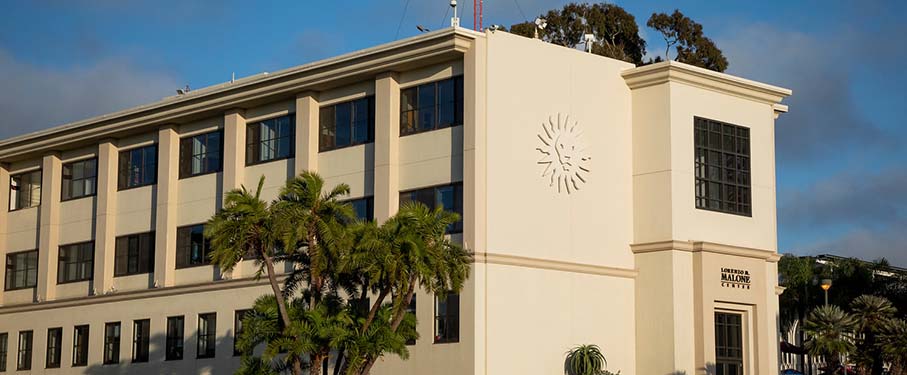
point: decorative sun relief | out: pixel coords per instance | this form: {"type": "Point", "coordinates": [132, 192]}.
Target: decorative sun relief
{"type": "Point", "coordinates": [564, 155]}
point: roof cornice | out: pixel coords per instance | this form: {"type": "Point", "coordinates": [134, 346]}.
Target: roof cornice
{"type": "Point", "coordinates": [436, 45]}
{"type": "Point", "coordinates": [673, 71]}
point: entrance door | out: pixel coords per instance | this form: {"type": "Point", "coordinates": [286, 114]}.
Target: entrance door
{"type": "Point", "coordinates": [728, 343]}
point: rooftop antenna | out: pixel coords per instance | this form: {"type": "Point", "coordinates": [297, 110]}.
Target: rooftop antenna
{"type": "Point", "coordinates": [589, 39]}
{"type": "Point", "coordinates": [540, 24]}
{"type": "Point", "coordinates": [422, 28]}
{"type": "Point", "coordinates": [232, 77]}
{"type": "Point", "coordinates": [455, 21]}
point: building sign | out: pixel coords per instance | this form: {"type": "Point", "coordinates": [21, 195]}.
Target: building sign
{"type": "Point", "coordinates": [735, 278]}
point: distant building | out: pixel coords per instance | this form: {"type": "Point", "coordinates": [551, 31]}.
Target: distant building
{"type": "Point", "coordinates": [629, 207]}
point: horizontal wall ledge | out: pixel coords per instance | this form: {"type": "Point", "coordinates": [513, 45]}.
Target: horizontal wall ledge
{"type": "Point", "coordinates": [554, 265]}
{"type": "Point", "coordinates": [705, 247]}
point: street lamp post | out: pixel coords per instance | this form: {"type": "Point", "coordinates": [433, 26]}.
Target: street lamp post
{"type": "Point", "coordinates": [826, 285]}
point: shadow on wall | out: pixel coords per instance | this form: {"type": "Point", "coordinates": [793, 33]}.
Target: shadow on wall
{"type": "Point", "coordinates": [223, 362]}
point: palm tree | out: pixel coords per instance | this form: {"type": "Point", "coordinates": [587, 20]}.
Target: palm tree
{"type": "Point", "coordinates": [585, 360]}
{"type": "Point", "coordinates": [828, 328]}
{"type": "Point", "coordinates": [893, 341]}
{"type": "Point", "coordinates": [871, 313]}
{"type": "Point", "coordinates": [246, 226]}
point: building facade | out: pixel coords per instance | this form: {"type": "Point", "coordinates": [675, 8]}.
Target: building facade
{"type": "Point", "coordinates": [628, 207]}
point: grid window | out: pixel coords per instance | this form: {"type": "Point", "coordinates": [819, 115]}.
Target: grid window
{"type": "Point", "coordinates": [363, 208]}
{"type": "Point", "coordinates": [201, 154]}
{"type": "Point", "coordinates": [447, 197]}
{"type": "Point", "coordinates": [75, 263]}
{"type": "Point", "coordinates": [447, 318]}
{"type": "Point", "coordinates": [80, 179]}
{"type": "Point", "coordinates": [141, 338]}
{"type": "Point", "coordinates": [4, 350]}
{"type": "Point", "coordinates": [238, 316]}
{"type": "Point", "coordinates": [174, 347]}
{"type": "Point", "coordinates": [21, 270]}
{"type": "Point", "coordinates": [207, 335]}
{"type": "Point", "coordinates": [134, 254]}
{"type": "Point", "coordinates": [722, 167]}
{"type": "Point", "coordinates": [270, 140]}
{"type": "Point", "coordinates": [192, 248]}
{"type": "Point", "coordinates": [138, 167]}
{"type": "Point", "coordinates": [23, 361]}
{"type": "Point", "coordinates": [80, 346]}
{"type": "Point", "coordinates": [54, 347]}
{"type": "Point", "coordinates": [411, 309]}
{"type": "Point", "coordinates": [728, 344]}
{"type": "Point", "coordinates": [25, 190]}
{"type": "Point", "coordinates": [112, 343]}
{"type": "Point", "coordinates": [347, 124]}
{"type": "Point", "coordinates": [431, 106]}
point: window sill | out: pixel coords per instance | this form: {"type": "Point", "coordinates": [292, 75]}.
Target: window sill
{"type": "Point", "coordinates": [20, 288]}
{"type": "Point", "coordinates": [448, 341]}
{"type": "Point", "coordinates": [749, 215]}
{"type": "Point", "coordinates": [74, 281]}
{"type": "Point", "coordinates": [23, 208]}
{"type": "Point", "coordinates": [402, 134]}
{"type": "Point", "coordinates": [201, 174]}
{"type": "Point", "coordinates": [248, 164]}
{"type": "Point", "coordinates": [135, 187]}
{"type": "Point", "coordinates": [320, 150]}
{"type": "Point", "coordinates": [193, 266]}
{"type": "Point", "coordinates": [77, 198]}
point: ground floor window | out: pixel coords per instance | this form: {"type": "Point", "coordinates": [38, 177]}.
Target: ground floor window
{"type": "Point", "coordinates": [447, 318]}
{"type": "Point", "coordinates": [728, 343]}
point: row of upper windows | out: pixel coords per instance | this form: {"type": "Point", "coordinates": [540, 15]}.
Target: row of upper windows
{"type": "Point", "coordinates": [425, 107]}
{"type": "Point", "coordinates": [446, 330]}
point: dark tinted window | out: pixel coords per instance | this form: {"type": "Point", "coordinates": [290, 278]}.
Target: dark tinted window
{"type": "Point", "coordinates": [347, 124]}
{"type": "Point", "coordinates": [270, 140]}
{"type": "Point", "coordinates": [431, 106]}
{"type": "Point", "coordinates": [134, 254]}
{"type": "Point", "coordinates": [112, 343]}
{"type": "Point", "coordinates": [25, 190]}
{"type": "Point", "coordinates": [80, 346]}
{"type": "Point", "coordinates": [21, 270]}
{"type": "Point", "coordinates": [75, 263]}
{"type": "Point", "coordinates": [238, 329]}
{"type": "Point", "coordinates": [363, 208]}
{"type": "Point", "coordinates": [137, 167]}
{"type": "Point", "coordinates": [192, 248]}
{"type": "Point", "coordinates": [23, 361]}
{"type": "Point", "coordinates": [80, 179]}
{"type": "Point", "coordinates": [201, 154]}
{"type": "Point", "coordinates": [141, 335]}
{"type": "Point", "coordinates": [448, 197]}
{"type": "Point", "coordinates": [722, 167]}
{"type": "Point", "coordinates": [728, 344]}
{"type": "Point", "coordinates": [174, 348]}
{"type": "Point", "coordinates": [4, 350]}
{"type": "Point", "coordinates": [447, 318]}
{"type": "Point", "coordinates": [54, 347]}
{"type": "Point", "coordinates": [207, 335]}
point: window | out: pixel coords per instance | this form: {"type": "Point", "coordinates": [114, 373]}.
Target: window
{"type": "Point", "coordinates": [347, 124]}
{"type": "Point", "coordinates": [447, 318]}
{"type": "Point", "coordinates": [112, 343]}
{"type": "Point", "coordinates": [21, 270]}
{"type": "Point", "coordinates": [722, 167]}
{"type": "Point", "coordinates": [192, 248]}
{"type": "Point", "coordinates": [207, 335]}
{"type": "Point", "coordinates": [448, 197]}
{"type": "Point", "coordinates": [431, 106]}
{"type": "Point", "coordinates": [270, 140]}
{"type": "Point", "coordinates": [201, 154]}
{"type": "Point", "coordinates": [363, 208]}
{"type": "Point", "coordinates": [4, 350]}
{"type": "Point", "coordinates": [411, 309]}
{"type": "Point", "coordinates": [25, 346]}
{"type": "Point", "coordinates": [54, 347]}
{"type": "Point", "coordinates": [25, 190]}
{"type": "Point", "coordinates": [728, 344]}
{"type": "Point", "coordinates": [238, 329]}
{"type": "Point", "coordinates": [80, 346]}
{"type": "Point", "coordinates": [141, 335]}
{"type": "Point", "coordinates": [76, 263]}
{"type": "Point", "coordinates": [138, 167]}
{"type": "Point", "coordinates": [80, 179]}
{"type": "Point", "coordinates": [134, 254]}
{"type": "Point", "coordinates": [174, 338]}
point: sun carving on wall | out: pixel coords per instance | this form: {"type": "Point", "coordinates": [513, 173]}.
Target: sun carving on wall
{"type": "Point", "coordinates": [564, 155]}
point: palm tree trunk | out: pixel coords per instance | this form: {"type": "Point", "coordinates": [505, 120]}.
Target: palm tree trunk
{"type": "Point", "coordinates": [281, 305]}
{"type": "Point", "coordinates": [398, 318]}
{"type": "Point", "coordinates": [317, 363]}
{"type": "Point", "coordinates": [374, 310]}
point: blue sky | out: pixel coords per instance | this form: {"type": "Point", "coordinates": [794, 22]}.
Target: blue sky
{"type": "Point", "coordinates": [842, 176]}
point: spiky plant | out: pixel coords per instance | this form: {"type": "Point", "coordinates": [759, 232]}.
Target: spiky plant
{"type": "Point", "coordinates": [871, 314]}
{"type": "Point", "coordinates": [585, 360]}
{"type": "Point", "coordinates": [893, 342]}
{"type": "Point", "coordinates": [829, 328]}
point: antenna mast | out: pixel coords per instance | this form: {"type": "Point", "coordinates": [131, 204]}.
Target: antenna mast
{"type": "Point", "coordinates": [477, 13]}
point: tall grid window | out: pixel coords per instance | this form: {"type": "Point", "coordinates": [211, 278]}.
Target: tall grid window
{"type": "Point", "coordinates": [23, 361]}
{"type": "Point", "coordinates": [54, 347]}
{"type": "Point", "coordinates": [270, 140]}
{"type": "Point", "coordinates": [134, 254]}
{"type": "Point", "coordinates": [75, 263]}
{"type": "Point", "coordinates": [4, 350]}
{"type": "Point", "coordinates": [25, 190]}
{"type": "Point", "coordinates": [201, 154]}
{"type": "Point", "coordinates": [347, 124]}
{"type": "Point", "coordinates": [722, 167]}
{"type": "Point", "coordinates": [174, 346]}
{"type": "Point", "coordinates": [141, 339]}
{"type": "Point", "coordinates": [431, 106]}
{"type": "Point", "coordinates": [363, 208]}
{"type": "Point", "coordinates": [238, 329]}
{"type": "Point", "coordinates": [112, 343]}
{"type": "Point", "coordinates": [447, 197]}
{"type": "Point", "coordinates": [80, 346]}
{"type": "Point", "coordinates": [207, 335]}
{"type": "Point", "coordinates": [80, 179]}
{"type": "Point", "coordinates": [447, 318]}
{"type": "Point", "coordinates": [21, 270]}
{"type": "Point", "coordinates": [137, 167]}
{"type": "Point", "coordinates": [192, 248]}
{"type": "Point", "coordinates": [728, 343]}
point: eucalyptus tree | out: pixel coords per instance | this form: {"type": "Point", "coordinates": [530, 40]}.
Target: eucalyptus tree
{"type": "Point", "coordinates": [872, 314]}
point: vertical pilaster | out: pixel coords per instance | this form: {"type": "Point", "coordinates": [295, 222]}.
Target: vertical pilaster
{"type": "Point", "coordinates": [4, 198]}
{"type": "Point", "coordinates": [105, 219]}
{"type": "Point", "coordinates": [48, 232]}
{"type": "Point", "coordinates": [387, 140]}
{"type": "Point", "coordinates": [306, 133]}
{"type": "Point", "coordinates": [165, 211]}
{"type": "Point", "coordinates": [234, 160]}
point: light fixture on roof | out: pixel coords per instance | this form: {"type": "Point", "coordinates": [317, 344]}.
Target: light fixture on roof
{"type": "Point", "coordinates": [540, 24]}
{"type": "Point", "coordinates": [495, 27]}
{"type": "Point", "coordinates": [455, 21]}
{"type": "Point", "coordinates": [183, 91]}
{"type": "Point", "coordinates": [589, 39]}
{"type": "Point", "coordinates": [422, 28]}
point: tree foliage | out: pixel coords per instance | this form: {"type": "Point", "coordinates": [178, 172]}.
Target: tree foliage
{"type": "Point", "coordinates": [689, 41]}
{"type": "Point", "coordinates": [828, 328]}
{"type": "Point", "coordinates": [872, 315]}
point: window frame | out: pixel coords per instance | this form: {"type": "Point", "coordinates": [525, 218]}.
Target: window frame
{"type": "Point", "coordinates": [724, 328]}
{"type": "Point", "coordinates": [28, 349]}
{"type": "Point", "coordinates": [187, 155]}
{"type": "Point", "coordinates": [175, 347]}
{"type": "Point", "coordinates": [31, 191]}
{"type": "Point", "coordinates": [370, 123]}
{"type": "Point", "coordinates": [112, 342]}
{"type": "Point", "coordinates": [123, 182]}
{"type": "Point", "coordinates": [458, 104]}
{"type": "Point", "coordinates": [54, 352]}
{"type": "Point", "coordinates": [447, 319]}
{"type": "Point", "coordinates": [455, 228]}
{"type": "Point", "coordinates": [184, 250]}
{"type": "Point", "coordinates": [369, 207]}
{"type": "Point", "coordinates": [120, 252]}
{"type": "Point", "coordinates": [4, 350]}
{"type": "Point", "coordinates": [7, 273]}
{"type": "Point", "coordinates": [61, 266]}
{"type": "Point", "coordinates": [80, 348]}
{"type": "Point", "coordinates": [703, 167]}
{"type": "Point", "coordinates": [71, 180]}
{"type": "Point", "coordinates": [141, 343]}
{"type": "Point", "coordinates": [208, 337]}
{"type": "Point", "coordinates": [238, 328]}
{"type": "Point", "coordinates": [250, 160]}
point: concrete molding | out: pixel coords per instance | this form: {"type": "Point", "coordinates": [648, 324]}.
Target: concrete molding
{"type": "Point", "coordinates": [705, 247]}
{"type": "Point", "coordinates": [554, 265]}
